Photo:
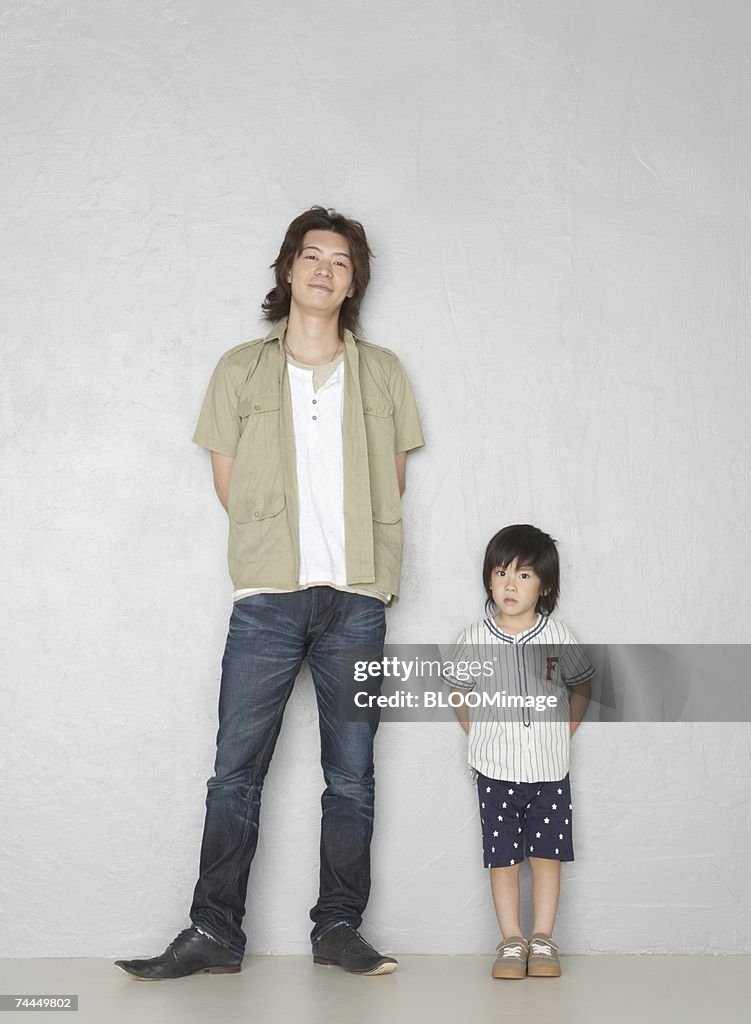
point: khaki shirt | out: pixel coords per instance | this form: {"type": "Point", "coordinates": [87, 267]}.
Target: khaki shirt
{"type": "Point", "coordinates": [247, 415]}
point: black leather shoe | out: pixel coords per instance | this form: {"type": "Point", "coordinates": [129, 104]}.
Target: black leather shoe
{"type": "Point", "coordinates": [189, 953]}
{"type": "Point", "coordinates": [348, 949]}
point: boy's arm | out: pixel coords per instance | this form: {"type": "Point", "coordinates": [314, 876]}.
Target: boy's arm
{"type": "Point", "coordinates": [578, 700]}
{"type": "Point", "coordinates": [461, 711]}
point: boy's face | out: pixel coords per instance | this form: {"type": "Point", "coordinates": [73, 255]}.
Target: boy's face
{"type": "Point", "coordinates": [321, 273]}
{"type": "Point", "coordinates": [516, 589]}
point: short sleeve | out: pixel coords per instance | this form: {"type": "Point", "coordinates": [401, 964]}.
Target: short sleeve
{"type": "Point", "coordinates": [455, 665]}
{"type": "Point", "coordinates": [218, 427]}
{"type": "Point", "coordinates": [407, 430]}
{"type": "Point", "coordinates": [575, 665]}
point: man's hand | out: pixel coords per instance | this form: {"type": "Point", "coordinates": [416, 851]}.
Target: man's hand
{"type": "Point", "coordinates": [221, 466]}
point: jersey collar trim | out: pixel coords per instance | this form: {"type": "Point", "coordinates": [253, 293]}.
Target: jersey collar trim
{"type": "Point", "coordinates": [525, 637]}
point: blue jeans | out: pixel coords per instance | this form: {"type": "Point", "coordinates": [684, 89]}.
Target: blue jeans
{"type": "Point", "coordinates": [269, 636]}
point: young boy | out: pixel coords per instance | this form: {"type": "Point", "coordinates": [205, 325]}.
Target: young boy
{"type": "Point", "coordinates": [519, 724]}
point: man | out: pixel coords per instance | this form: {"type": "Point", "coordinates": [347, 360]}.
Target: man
{"type": "Point", "coordinates": [308, 430]}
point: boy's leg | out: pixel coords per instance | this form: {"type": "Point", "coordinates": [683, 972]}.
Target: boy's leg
{"type": "Point", "coordinates": [543, 953]}
{"type": "Point", "coordinates": [501, 804]}
{"type": "Point", "coordinates": [546, 887]}
{"type": "Point", "coordinates": [549, 841]}
{"type": "Point", "coordinates": [504, 884]}
{"type": "Point", "coordinates": [513, 951]}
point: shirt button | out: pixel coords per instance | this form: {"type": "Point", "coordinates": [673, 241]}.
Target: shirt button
{"type": "Point", "coordinates": [257, 408]}
{"type": "Point", "coordinates": [315, 401]}
{"type": "Point", "coordinates": [368, 408]}
{"type": "Point", "coordinates": [257, 515]}
{"type": "Point", "coordinates": [315, 417]}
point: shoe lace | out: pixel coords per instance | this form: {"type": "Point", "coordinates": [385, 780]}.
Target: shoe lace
{"type": "Point", "coordinates": [542, 948]}
{"type": "Point", "coordinates": [180, 936]}
{"type": "Point", "coordinates": [510, 951]}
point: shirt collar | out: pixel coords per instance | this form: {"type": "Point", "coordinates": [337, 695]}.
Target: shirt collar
{"type": "Point", "coordinates": [279, 329]}
{"type": "Point", "coordinates": [510, 638]}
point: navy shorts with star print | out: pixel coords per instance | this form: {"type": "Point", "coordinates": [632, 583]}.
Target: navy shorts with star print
{"type": "Point", "coordinates": [519, 817]}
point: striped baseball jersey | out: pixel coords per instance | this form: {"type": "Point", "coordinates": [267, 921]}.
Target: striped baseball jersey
{"type": "Point", "coordinates": [515, 732]}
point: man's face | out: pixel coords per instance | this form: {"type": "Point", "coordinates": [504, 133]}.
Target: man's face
{"type": "Point", "coordinates": [321, 273]}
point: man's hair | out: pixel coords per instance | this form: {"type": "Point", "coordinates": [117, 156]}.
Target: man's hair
{"type": "Point", "coordinates": [525, 545]}
{"type": "Point", "coordinates": [318, 218]}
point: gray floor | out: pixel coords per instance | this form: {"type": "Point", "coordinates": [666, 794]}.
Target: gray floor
{"type": "Point", "coordinates": [429, 989]}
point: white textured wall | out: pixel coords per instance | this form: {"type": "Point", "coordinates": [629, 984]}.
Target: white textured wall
{"type": "Point", "coordinates": [557, 194]}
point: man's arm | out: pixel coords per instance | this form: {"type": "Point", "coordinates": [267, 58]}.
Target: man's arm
{"type": "Point", "coordinates": [221, 466]}
{"type": "Point", "coordinates": [578, 701]}
{"type": "Point", "coordinates": [401, 470]}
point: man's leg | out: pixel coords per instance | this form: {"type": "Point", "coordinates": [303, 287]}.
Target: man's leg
{"type": "Point", "coordinates": [345, 626]}
{"type": "Point", "coordinates": [265, 647]}
{"type": "Point", "coordinates": [344, 622]}
{"type": "Point", "coordinates": [264, 651]}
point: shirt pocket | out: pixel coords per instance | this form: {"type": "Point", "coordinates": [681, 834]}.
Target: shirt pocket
{"type": "Point", "coordinates": [386, 511]}
{"type": "Point", "coordinates": [377, 405]}
{"type": "Point", "coordinates": [252, 405]}
{"type": "Point", "coordinates": [378, 413]}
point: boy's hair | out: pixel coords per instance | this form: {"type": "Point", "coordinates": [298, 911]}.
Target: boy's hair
{"type": "Point", "coordinates": [526, 545]}
{"type": "Point", "coordinates": [318, 218]}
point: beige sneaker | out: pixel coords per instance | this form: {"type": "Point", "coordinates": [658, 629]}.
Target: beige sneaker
{"type": "Point", "coordinates": [543, 959]}
{"type": "Point", "coordinates": [512, 958]}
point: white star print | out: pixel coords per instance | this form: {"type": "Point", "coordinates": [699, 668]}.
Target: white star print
{"type": "Point", "coordinates": [569, 806]}
{"type": "Point", "coordinates": [503, 804]}
{"type": "Point", "coordinates": [537, 835]}
{"type": "Point", "coordinates": [512, 862]}
{"type": "Point", "coordinates": [492, 849]}
{"type": "Point", "coordinates": [560, 835]}
{"type": "Point", "coordinates": [500, 817]}
{"type": "Point", "coordinates": [560, 792]}
{"type": "Point", "coordinates": [495, 835]}
{"type": "Point", "coordinates": [566, 822]}
{"type": "Point", "coordinates": [483, 806]}
{"type": "Point", "coordinates": [531, 849]}
{"type": "Point", "coordinates": [518, 830]}
{"type": "Point", "coordinates": [516, 845]}
{"type": "Point", "coordinates": [554, 806]}
{"type": "Point", "coordinates": [556, 850]}
{"type": "Point", "coordinates": [547, 821]}
{"type": "Point", "coordinates": [510, 792]}
{"type": "Point", "coordinates": [487, 789]}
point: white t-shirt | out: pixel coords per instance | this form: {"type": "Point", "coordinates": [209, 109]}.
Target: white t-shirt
{"type": "Point", "coordinates": [317, 417]}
